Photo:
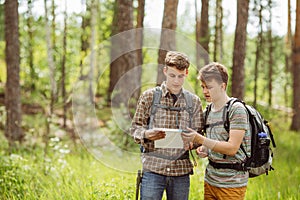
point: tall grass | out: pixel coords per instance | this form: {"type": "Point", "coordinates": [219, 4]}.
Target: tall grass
{"type": "Point", "coordinates": [72, 173]}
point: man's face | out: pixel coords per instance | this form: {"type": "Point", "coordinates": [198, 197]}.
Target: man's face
{"type": "Point", "coordinates": [212, 90]}
{"type": "Point", "coordinates": [174, 79]}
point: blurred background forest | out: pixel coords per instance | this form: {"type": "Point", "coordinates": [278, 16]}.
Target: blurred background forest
{"type": "Point", "coordinates": [71, 73]}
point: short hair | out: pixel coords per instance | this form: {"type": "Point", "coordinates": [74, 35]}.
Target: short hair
{"type": "Point", "coordinates": [215, 71]}
{"type": "Point", "coordinates": [177, 59]}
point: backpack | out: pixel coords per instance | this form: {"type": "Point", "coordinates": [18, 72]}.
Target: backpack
{"type": "Point", "coordinates": [260, 160]}
{"type": "Point", "coordinates": [156, 104]}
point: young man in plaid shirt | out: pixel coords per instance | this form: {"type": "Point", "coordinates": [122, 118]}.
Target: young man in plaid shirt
{"type": "Point", "coordinates": [166, 168]}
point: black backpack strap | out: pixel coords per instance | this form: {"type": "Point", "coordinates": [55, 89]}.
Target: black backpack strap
{"type": "Point", "coordinates": [189, 106]}
{"type": "Point", "coordinates": [206, 113]}
{"type": "Point", "coordinates": [227, 110]}
{"type": "Point", "coordinates": [155, 102]}
{"type": "Point", "coordinates": [270, 133]}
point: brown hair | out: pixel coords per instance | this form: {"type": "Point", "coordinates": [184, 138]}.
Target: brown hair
{"type": "Point", "coordinates": [215, 71]}
{"type": "Point", "coordinates": [177, 59]}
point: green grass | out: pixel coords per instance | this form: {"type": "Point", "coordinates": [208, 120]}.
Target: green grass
{"type": "Point", "coordinates": [70, 172]}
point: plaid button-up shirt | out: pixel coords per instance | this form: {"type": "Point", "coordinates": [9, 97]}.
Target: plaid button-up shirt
{"type": "Point", "coordinates": [165, 161]}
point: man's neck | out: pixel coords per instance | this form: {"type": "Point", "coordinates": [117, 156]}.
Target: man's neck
{"type": "Point", "coordinates": [220, 103]}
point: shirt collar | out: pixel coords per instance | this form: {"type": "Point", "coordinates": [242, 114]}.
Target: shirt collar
{"type": "Point", "coordinates": [166, 92]}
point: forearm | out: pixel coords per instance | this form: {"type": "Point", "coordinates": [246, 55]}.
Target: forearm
{"type": "Point", "coordinates": [222, 147]}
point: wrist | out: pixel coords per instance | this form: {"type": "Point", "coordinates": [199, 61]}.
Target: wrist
{"type": "Point", "coordinates": [209, 143]}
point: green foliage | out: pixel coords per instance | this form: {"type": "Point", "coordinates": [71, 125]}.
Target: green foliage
{"type": "Point", "coordinates": [118, 128]}
{"type": "Point", "coordinates": [68, 171]}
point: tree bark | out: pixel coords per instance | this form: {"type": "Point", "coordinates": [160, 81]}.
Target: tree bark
{"type": "Point", "coordinates": [258, 53]}
{"type": "Point", "coordinates": [239, 50]}
{"type": "Point", "coordinates": [63, 67]}
{"type": "Point", "coordinates": [30, 45]}
{"type": "Point", "coordinates": [271, 59]}
{"type": "Point", "coordinates": [296, 73]}
{"type": "Point", "coordinates": [139, 43]}
{"type": "Point", "coordinates": [85, 35]}
{"type": "Point", "coordinates": [167, 38]}
{"type": "Point", "coordinates": [123, 58]}
{"type": "Point", "coordinates": [218, 49]}
{"type": "Point", "coordinates": [202, 34]}
{"type": "Point", "coordinates": [50, 59]}
{"type": "Point", "coordinates": [13, 129]}
{"type": "Point", "coordinates": [288, 59]}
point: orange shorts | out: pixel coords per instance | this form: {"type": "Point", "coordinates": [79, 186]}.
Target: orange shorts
{"type": "Point", "coordinates": [216, 193]}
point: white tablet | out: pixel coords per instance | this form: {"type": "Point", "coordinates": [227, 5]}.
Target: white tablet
{"type": "Point", "coordinates": [172, 140]}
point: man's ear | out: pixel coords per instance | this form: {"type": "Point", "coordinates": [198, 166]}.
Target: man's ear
{"type": "Point", "coordinates": [186, 71]}
{"type": "Point", "coordinates": [165, 69]}
{"type": "Point", "coordinates": [224, 86]}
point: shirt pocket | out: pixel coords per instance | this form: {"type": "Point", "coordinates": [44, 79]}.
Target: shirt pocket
{"type": "Point", "coordinates": [160, 119]}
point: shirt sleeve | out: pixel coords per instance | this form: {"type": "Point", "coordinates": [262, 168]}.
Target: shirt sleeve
{"type": "Point", "coordinates": [238, 117]}
{"type": "Point", "coordinates": [140, 120]}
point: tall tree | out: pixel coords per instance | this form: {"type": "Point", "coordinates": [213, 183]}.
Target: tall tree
{"type": "Point", "coordinates": [13, 129]}
{"type": "Point", "coordinates": [94, 11]}
{"type": "Point", "coordinates": [218, 47]}
{"type": "Point", "coordinates": [202, 33]}
{"type": "Point", "coordinates": [296, 72]}
{"type": "Point", "coordinates": [271, 49]}
{"type": "Point", "coordinates": [139, 40]}
{"type": "Point", "coordinates": [167, 38]}
{"type": "Point", "coordinates": [30, 44]}
{"type": "Point", "coordinates": [123, 59]}
{"type": "Point", "coordinates": [239, 50]}
{"type": "Point", "coordinates": [85, 34]}
{"type": "Point", "coordinates": [259, 49]}
{"type": "Point", "coordinates": [50, 59]}
{"type": "Point", "coordinates": [288, 58]}
{"type": "Point", "coordinates": [63, 67]}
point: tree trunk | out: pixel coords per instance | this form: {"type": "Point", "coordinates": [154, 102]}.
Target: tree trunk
{"type": "Point", "coordinates": [258, 53]}
{"type": "Point", "coordinates": [288, 58]}
{"type": "Point", "coordinates": [239, 50]}
{"type": "Point", "coordinates": [167, 39]}
{"type": "Point", "coordinates": [139, 51]}
{"type": "Point", "coordinates": [85, 35]}
{"type": "Point", "coordinates": [94, 12]}
{"type": "Point", "coordinates": [202, 34]}
{"type": "Point", "coordinates": [218, 32]}
{"type": "Point", "coordinates": [271, 60]}
{"type": "Point", "coordinates": [123, 59]}
{"type": "Point", "coordinates": [13, 129]}
{"type": "Point", "coordinates": [51, 62]}
{"type": "Point", "coordinates": [30, 45]}
{"type": "Point", "coordinates": [63, 67]}
{"type": "Point", "coordinates": [296, 73]}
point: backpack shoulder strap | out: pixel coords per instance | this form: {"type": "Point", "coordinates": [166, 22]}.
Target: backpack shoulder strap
{"type": "Point", "coordinates": [189, 105]}
{"type": "Point", "coordinates": [206, 113]}
{"type": "Point", "coordinates": [226, 119]}
{"type": "Point", "coordinates": [155, 101]}
{"type": "Point", "coordinates": [227, 110]}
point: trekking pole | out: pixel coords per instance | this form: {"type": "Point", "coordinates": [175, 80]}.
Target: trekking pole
{"type": "Point", "coordinates": [138, 183]}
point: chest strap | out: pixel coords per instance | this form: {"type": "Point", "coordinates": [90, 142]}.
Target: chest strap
{"type": "Point", "coordinates": [235, 166]}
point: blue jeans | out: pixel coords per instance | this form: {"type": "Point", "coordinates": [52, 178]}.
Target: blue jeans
{"type": "Point", "coordinates": [153, 186]}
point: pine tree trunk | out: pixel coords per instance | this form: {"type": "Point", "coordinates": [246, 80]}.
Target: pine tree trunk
{"type": "Point", "coordinates": [167, 38]}
{"type": "Point", "coordinates": [296, 73]}
{"type": "Point", "coordinates": [63, 67]}
{"type": "Point", "coordinates": [123, 57]}
{"type": "Point", "coordinates": [202, 34]}
{"type": "Point", "coordinates": [239, 52]}
{"type": "Point", "coordinates": [13, 129]}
